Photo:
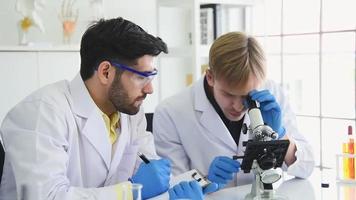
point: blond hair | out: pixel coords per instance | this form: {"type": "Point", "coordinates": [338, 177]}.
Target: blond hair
{"type": "Point", "coordinates": [234, 56]}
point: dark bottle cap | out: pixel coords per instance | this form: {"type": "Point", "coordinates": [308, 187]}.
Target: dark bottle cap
{"type": "Point", "coordinates": [325, 185]}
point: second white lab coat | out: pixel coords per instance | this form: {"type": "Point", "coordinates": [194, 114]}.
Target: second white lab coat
{"type": "Point", "coordinates": [189, 132]}
{"type": "Point", "coordinates": [56, 140]}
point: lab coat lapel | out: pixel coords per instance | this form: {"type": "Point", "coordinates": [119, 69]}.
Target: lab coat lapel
{"type": "Point", "coordinates": [89, 120]}
{"type": "Point", "coordinates": [121, 144]}
{"type": "Point", "coordinates": [210, 119]}
{"type": "Point", "coordinates": [96, 132]}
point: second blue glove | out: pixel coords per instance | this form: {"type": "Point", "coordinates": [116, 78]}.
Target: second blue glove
{"type": "Point", "coordinates": [186, 190]}
{"type": "Point", "coordinates": [221, 170]}
{"type": "Point", "coordinates": [154, 177]}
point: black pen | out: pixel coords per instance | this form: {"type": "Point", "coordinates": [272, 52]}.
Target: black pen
{"type": "Point", "coordinates": [143, 157]}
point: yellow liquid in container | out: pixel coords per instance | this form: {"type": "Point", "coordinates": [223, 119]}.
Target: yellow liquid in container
{"type": "Point", "coordinates": [345, 161]}
{"type": "Point", "coordinates": [351, 160]}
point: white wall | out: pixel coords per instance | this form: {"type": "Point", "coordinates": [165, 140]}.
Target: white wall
{"type": "Point", "coordinates": [34, 69]}
{"type": "Point", "coordinates": [141, 12]}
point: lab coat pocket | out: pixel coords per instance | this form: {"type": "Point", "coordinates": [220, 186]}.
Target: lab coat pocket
{"type": "Point", "coordinates": [127, 165]}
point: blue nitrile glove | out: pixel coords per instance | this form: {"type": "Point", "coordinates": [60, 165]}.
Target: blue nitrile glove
{"type": "Point", "coordinates": [212, 187]}
{"type": "Point", "coordinates": [270, 110]}
{"type": "Point", "coordinates": [190, 190]}
{"type": "Point", "coordinates": [221, 170]}
{"type": "Point", "coordinates": [154, 177]}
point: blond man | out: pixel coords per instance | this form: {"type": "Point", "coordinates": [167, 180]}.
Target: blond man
{"type": "Point", "coordinates": [201, 127]}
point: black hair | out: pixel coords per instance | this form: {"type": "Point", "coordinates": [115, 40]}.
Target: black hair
{"type": "Point", "coordinates": [116, 39]}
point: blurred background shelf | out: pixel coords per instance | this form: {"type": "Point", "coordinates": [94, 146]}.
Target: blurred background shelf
{"type": "Point", "coordinates": [189, 27]}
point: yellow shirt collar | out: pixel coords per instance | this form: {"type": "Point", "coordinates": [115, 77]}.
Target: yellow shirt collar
{"type": "Point", "coordinates": [111, 124]}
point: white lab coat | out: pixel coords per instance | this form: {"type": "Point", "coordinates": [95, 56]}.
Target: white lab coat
{"type": "Point", "coordinates": [56, 139]}
{"type": "Point", "coordinates": [189, 132]}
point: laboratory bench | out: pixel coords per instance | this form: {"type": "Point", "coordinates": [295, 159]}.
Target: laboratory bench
{"type": "Point", "coordinates": [322, 184]}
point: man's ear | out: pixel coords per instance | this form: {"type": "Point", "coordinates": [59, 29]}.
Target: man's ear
{"type": "Point", "coordinates": [105, 72]}
{"type": "Point", "coordinates": [209, 77]}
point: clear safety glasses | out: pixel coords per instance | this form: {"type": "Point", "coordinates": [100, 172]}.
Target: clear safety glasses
{"type": "Point", "coordinates": [141, 78]}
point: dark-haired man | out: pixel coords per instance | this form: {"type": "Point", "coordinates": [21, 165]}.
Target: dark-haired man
{"type": "Point", "coordinates": [79, 139]}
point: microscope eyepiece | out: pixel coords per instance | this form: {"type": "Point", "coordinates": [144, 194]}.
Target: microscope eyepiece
{"type": "Point", "coordinates": [251, 103]}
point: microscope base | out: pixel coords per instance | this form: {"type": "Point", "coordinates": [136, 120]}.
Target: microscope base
{"type": "Point", "coordinates": [266, 195]}
{"type": "Point", "coordinates": [260, 190]}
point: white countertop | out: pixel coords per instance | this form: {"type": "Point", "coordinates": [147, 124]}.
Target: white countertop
{"type": "Point", "coordinates": [292, 188]}
{"type": "Point", "coordinates": [40, 48]}
{"type": "Point", "coordinates": [296, 188]}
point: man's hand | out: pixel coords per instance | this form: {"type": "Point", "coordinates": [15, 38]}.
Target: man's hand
{"type": "Point", "coordinates": [222, 169]}
{"type": "Point", "coordinates": [212, 187]}
{"type": "Point", "coordinates": [270, 110]}
{"type": "Point", "coordinates": [154, 177]}
{"type": "Point", "coordinates": [186, 190]}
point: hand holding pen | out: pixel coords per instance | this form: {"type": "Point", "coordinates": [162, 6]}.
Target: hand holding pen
{"type": "Point", "coordinates": [143, 157]}
{"type": "Point", "coordinates": [154, 175]}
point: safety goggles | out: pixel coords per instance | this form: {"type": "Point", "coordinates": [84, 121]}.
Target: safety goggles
{"type": "Point", "coordinates": [141, 78]}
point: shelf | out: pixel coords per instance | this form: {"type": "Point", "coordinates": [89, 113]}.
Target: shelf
{"type": "Point", "coordinates": [187, 3]}
{"type": "Point", "coordinates": [40, 47]}
{"type": "Point", "coordinates": [175, 3]}
{"type": "Point", "coordinates": [179, 22]}
{"type": "Point", "coordinates": [230, 2]}
{"type": "Point", "coordinates": [204, 50]}
{"type": "Point", "coordinates": [173, 52]}
{"type": "Point", "coordinates": [186, 51]}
